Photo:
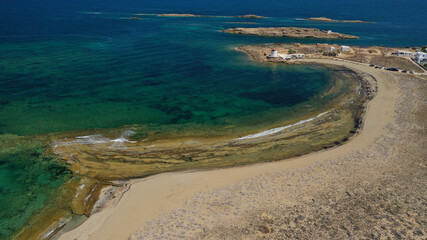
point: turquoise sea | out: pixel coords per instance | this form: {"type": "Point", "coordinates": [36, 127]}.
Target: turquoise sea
{"type": "Point", "coordinates": [74, 65]}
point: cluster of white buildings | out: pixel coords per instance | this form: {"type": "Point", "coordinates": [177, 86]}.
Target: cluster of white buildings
{"type": "Point", "coordinates": [418, 56]}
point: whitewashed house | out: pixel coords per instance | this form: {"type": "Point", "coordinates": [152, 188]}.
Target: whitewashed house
{"type": "Point", "coordinates": [345, 48]}
{"type": "Point", "coordinates": [332, 49]}
{"type": "Point", "coordinates": [420, 57]}
{"type": "Point", "coordinates": [285, 56]}
{"type": "Point", "coordinates": [297, 55]}
{"type": "Point", "coordinates": [404, 53]}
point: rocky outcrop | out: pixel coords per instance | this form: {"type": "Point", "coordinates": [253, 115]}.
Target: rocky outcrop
{"type": "Point", "coordinates": [325, 19]}
{"type": "Point", "coordinates": [179, 15]}
{"type": "Point", "coordinates": [249, 16]}
{"type": "Point", "coordinates": [290, 32]}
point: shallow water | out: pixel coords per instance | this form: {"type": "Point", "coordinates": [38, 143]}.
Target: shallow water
{"type": "Point", "coordinates": [29, 179]}
{"type": "Point", "coordinates": [68, 86]}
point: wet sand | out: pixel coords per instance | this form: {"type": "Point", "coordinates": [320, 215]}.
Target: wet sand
{"type": "Point", "coordinates": [245, 202]}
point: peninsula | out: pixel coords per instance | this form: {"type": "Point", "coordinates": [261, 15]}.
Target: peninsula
{"type": "Point", "coordinates": [376, 56]}
{"type": "Point", "coordinates": [325, 19]}
{"type": "Point", "coordinates": [290, 32]}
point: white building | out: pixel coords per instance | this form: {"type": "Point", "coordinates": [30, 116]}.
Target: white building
{"type": "Point", "coordinates": [332, 49]}
{"type": "Point", "coordinates": [329, 31]}
{"type": "Point", "coordinates": [404, 53]}
{"type": "Point", "coordinates": [285, 56]}
{"type": "Point", "coordinates": [274, 53]}
{"type": "Point", "coordinates": [297, 55]}
{"type": "Point", "coordinates": [291, 56]}
{"type": "Point", "coordinates": [420, 57]}
{"type": "Point", "coordinates": [345, 48]}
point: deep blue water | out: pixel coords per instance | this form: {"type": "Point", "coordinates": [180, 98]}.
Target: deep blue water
{"type": "Point", "coordinates": [398, 23]}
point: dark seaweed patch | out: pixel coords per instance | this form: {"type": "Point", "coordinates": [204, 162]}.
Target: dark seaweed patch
{"type": "Point", "coordinates": [4, 102]}
{"type": "Point", "coordinates": [35, 178]}
{"type": "Point", "coordinates": [276, 97]}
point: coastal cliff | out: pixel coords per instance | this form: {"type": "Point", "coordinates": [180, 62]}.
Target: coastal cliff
{"type": "Point", "coordinates": [290, 32]}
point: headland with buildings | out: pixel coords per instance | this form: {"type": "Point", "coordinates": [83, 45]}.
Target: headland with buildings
{"type": "Point", "coordinates": [409, 60]}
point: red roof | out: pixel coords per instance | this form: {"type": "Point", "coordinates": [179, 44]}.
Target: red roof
{"type": "Point", "coordinates": [274, 49]}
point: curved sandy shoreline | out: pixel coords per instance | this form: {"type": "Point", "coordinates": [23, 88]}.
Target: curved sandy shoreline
{"type": "Point", "coordinates": [150, 197]}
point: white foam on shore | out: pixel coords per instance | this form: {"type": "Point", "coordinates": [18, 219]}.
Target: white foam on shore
{"type": "Point", "coordinates": [80, 188]}
{"type": "Point", "coordinates": [279, 129]}
{"type": "Point", "coordinates": [98, 139]}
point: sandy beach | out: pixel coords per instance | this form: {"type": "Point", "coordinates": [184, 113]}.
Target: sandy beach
{"type": "Point", "coordinates": [373, 186]}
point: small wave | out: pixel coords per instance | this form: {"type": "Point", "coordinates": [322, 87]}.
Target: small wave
{"type": "Point", "coordinates": [359, 89]}
{"type": "Point", "coordinates": [79, 190]}
{"type": "Point", "coordinates": [92, 139]}
{"type": "Point", "coordinates": [98, 139]}
{"type": "Point", "coordinates": [61, 223]}
{"type": "Point", "coordinates": [92, 13]}
{"type": "Point", "coordinates": [279, 129]}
